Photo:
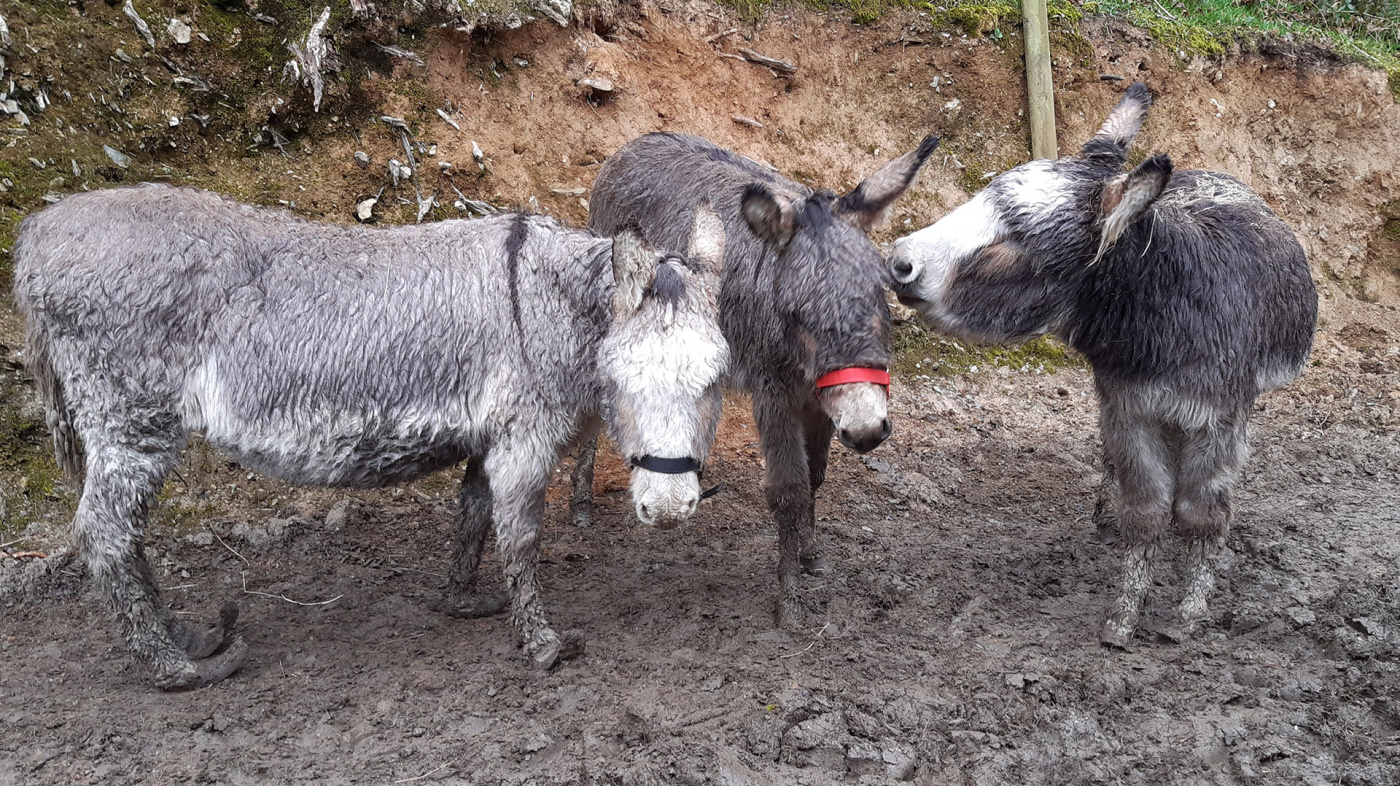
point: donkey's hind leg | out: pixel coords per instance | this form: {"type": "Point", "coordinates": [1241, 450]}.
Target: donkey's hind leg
{"type": "Point", "coordinates": [1106, 502]}
{"type": "Point", "coordinates": [473, 518]}
{"type": "Point", "coordinates": [1141, 460]}
{"type": "Point", "coordinates": [819, 430]}
{"type": "Point", "coordinates": [581, 499]}
{"type": "Point", "coordinates": [1211, 459]}
{"type": "Point", "coordinates": [788, 491]}
{"type": "Point", "coordinates": [518, 478]}
{"type": "Point", "coordinates": [121, 486]}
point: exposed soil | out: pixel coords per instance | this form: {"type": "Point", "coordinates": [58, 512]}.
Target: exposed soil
{"type": "Point", "coordinates": [958, 637]}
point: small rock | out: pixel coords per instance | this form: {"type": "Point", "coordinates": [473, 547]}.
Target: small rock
{"type": "Point", "coordinates": [336, 519]}
{"type": "Point", "coordinates": [578, 191]}
{"type": "Point", "coordinates": [899, 761]}
{"type": "Point", "coordinates": [173, 122]}
{"type": "Point", "coordinates": [1017, 681]}
{"type": "Point", "coordinates": [362, 158]}
{"type": "Point", "coordinates": [118, 157]}
{"type": "Point", "coordinates": [713, 683]}
{"type": "Point", "coordinates": [364, 212]}
{"type": "Point", "coordinates": [478, 156]}
{"type": "Point", "coordinates": [448, 119]}
{"type": "Point", "coordinates": [445, 166]}
{"type": "Point", "coordinates": [36, 163]}
{"type": "Point", "coordinates": [1300, 615]}
{"type": "Point", "coordinates": [597, 84]}
{"type": "Point", "coordinates": [180, 31]}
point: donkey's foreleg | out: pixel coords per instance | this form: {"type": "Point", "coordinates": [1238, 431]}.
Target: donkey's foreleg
{"type": "Point", "coordinates": [818, 432]}
{"type": "Point", "coordinates": [581, 499]}
{"type": "Point", "coordinates": [120, 489]}
{"type": "Point", "coordinates": [518, 480]}
{"type": "Point", "coordinates": [473, 518]}
{"type": "Point", "coordinates": [788, 491]}
{"type": "Point", "coordinates": [1211, 460]}
{"type": "Point", "coordinates": [1142, 464]}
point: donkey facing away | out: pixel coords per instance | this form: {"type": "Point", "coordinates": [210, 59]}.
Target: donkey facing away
{"type": "Point", "coordinates": [356, 357]}
{"type": "Point", "coordinates": [802, 303]}
{"type": "Point", "coordinates": [1187, 294]}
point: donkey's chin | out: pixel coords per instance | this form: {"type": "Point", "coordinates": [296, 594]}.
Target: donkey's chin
{"type": "Point", "coordinates": [664, 500]}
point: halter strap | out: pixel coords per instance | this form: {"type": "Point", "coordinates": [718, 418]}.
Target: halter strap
{"type": "Point", "coordinates": [666, 466]}
{"type": "Point", "coordinates": [845, 376]}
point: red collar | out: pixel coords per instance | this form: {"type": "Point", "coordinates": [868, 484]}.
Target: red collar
{"type": "Point", "coordinates": [845, 376]}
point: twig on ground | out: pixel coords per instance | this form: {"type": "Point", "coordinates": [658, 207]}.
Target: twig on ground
{"type": "Point", "coordinates": [718, 36]}
{"type": "Point", "coordinates": [247, 591]}
{"type": "Point", "coordinates": [13, 542]}
{"type": "Point", "coordinates": [424, 775]}
{"type": "Point", "coordinates": [809, 646]}
{"type": "Point", "coordinates": [178, 586]}
{"type": "Point", "coordinates": [225, 545]}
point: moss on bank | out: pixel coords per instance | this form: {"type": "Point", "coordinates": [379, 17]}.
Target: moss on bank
{"type": "Point", "coordinates": [920, 353]}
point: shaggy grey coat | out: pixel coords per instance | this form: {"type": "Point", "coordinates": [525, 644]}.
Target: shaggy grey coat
{"type": "Point", "coordinates": [344, 357]}
{"type": "Point", "coordinates": [802, 294]}
{"type": "Point", "coordinates": [1184, 290]}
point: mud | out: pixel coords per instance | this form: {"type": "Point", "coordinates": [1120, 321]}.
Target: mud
{"type": "Point", "coordinates": [957, 639]}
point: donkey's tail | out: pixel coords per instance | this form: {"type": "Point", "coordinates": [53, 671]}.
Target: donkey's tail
{"type": "Point", "coordinates": [67, 449]}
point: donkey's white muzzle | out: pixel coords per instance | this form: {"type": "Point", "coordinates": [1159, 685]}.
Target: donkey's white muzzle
{"type": "Point", "coordinates": [663, 499]}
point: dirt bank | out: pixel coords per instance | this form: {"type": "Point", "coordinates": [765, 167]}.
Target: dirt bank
{"type": "Point", "coordinates": [958, 638]}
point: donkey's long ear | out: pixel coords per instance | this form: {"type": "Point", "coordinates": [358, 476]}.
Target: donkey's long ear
{"type": "Point", "coordinates": [865, 206]}
{"type": "Point", "coordinates": [707, 238]}
{"type": "Point", "coordinates": [1127, 196]}
{"type": "Point", "coordinates": [768, 215]}
{"type": "Point", "coordinates": [634, 267]}
{"type": "Point", "coordinates": [1116, 134]}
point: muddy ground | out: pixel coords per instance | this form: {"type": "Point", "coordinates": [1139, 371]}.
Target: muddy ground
{"type": "Point", "coordinates": [957, 644]}
{"type": "Point", "coordinates": [957, 640]}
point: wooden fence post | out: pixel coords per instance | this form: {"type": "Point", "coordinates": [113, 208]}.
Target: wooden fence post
{"type": "Point", "coordinates": [1040, 87]}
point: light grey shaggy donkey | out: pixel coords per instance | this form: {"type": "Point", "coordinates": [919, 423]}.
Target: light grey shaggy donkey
{"type": "Point", "coordinates": [335, 356]}
{"type": "Point", "coordinates": [802, 296]}
{"type": "Point", "coordinates": [1183, 289]}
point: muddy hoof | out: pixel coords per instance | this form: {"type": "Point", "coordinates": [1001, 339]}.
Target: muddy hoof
{"type": "Point", "coordinates": [583, 516]}
{"type": "Point", "coordinates": [1106, 530]}
{"type": "Point", "coordinates": [208, 671]}
{"type": "Point", "coordinates": [793, 614]}
{"type": "Point", "coordinates": [816, 565]}
{"type": "Point", "coordinates": [567, 647]}
{"type": "Point", "coordinates": [481, 604]}
{"type": "Point", "coordinates": [200, 642]}
{"type": "Point", "coordinates": [1116, 634]}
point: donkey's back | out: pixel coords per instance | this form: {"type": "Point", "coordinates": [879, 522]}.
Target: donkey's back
{"type": "Point", "coordinates": [314, 353]}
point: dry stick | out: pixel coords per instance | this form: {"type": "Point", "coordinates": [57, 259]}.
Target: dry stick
{"type": "Point", "coordinates": [13, 542]}
{"type": "Point", "coordinates": [809, 646]}
{"type": "Point", "coordinates": [225, 545]}
{"type": "Point", "coordinates": [247, 591]}
{"type": "Point", "coordinates": [424, 775]}
{"type": "Point", "coordinates": [718, 36]}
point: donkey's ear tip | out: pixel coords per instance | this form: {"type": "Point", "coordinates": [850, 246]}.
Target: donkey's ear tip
{"type": "Point", "coordinates": [1138, 91]}
{"type": "Point", "coordinates": [927, 146]}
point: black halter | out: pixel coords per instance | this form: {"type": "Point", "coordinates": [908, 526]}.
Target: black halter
{"type": "Point", "coordinates": [673, 466]}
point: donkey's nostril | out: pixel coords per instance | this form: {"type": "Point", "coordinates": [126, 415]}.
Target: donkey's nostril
{"type": "Point", "coordinates": [903, 269]}
{"type": "Point", "coordinates": [885, 429]}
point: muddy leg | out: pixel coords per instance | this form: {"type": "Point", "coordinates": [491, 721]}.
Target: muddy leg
{"type": "Point", "coordinates": [819, 430]}
{"type": "Point", "coordinates": [788, 491]}
{"type": "Point", "coordinates": [121, 486]}
{"type": "Point", "coordinates": [1142, 464]}
{"type": "Point", "coordinates": [518, 482]}
{"type": "Point", "coordinates": [581, 500]}
{"type": "Point", "coordinates": [1106, 504]}
{"type": "Point", "coordinates": [473, 517]}
{"type": "Point", "coordinates": [1210, 463]}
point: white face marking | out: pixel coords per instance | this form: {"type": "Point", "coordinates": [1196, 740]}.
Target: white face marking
{"type": "Point", "coordinates": [660, 376]}
{"type": "Point", "coordinates": [934, 252]}
{"type": "Point", "coordinates": [1036, 189]}
{"type": "Point", "coordinates": [858, 408]}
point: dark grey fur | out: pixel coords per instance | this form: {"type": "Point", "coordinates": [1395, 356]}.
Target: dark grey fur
{"type": "Point", "coordinates": [802, 294]}
{"type": "Point", "coordinates": [1187, 294]}
{"type": "Point", "coordinates": [329, 356]}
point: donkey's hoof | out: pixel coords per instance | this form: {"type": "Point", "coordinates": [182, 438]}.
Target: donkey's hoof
{"type": "Point", "coordinates": [583, 517]}
{"type": "Point", "coordinates": [200, 642]}
{"type": "Point", "coordinates": [208, 671]}
{"type": "Point", "coordinates": [474, 605]}
{"type": "Point", "coordinates": [816, 565]}
{"type": "Point", "coordinates": [1117, 633]}
{"type": "Point", "coordinates": [793, 613]}
{"type": "Point", "coordinates": [567, 647]}
{"type": "Point", "coordinates": [1106, 529]}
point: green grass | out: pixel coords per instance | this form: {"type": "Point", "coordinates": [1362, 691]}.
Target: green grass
{"type": "Point", "coordinates": [920, 353]}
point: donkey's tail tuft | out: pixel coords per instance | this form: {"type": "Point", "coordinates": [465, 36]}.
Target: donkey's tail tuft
{"type": "Point", "coordinates": [67, 450]}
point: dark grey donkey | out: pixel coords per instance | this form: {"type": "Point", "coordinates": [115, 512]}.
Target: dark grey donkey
{"type": "Point", "coordinates": [1183, 289]}
{"type": "Point", "coordinates": [802, 303]}
{"type": "Point", "coordinates": [336, 356]}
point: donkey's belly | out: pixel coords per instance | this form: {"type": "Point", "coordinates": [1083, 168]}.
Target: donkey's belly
{"type": "Point", "coordinates": [343, 457]}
